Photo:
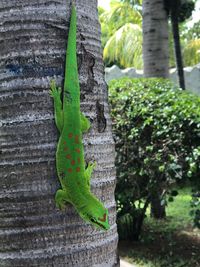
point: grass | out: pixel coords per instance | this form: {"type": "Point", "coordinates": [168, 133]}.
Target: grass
{"type": "Point", "coordinates": [177, 213]}
{"type": "Point", "coordinates": [167, 243]}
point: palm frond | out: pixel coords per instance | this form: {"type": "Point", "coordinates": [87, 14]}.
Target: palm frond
{"type": "Point", "coordinates": [125, 46]}
{"type": "Point", "coordinates": [120, 14]}
{"type": "Point", "coordinates": [192, 52]}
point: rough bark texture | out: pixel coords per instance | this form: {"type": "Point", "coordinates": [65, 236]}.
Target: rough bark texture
{"type": "Point", "coordinates": [33, 35]}
{"type": "Point", "coordinates": [155, 39]}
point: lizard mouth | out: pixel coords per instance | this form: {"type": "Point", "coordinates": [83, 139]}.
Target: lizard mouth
{"type": "Point", "coordinates": [98, 223]}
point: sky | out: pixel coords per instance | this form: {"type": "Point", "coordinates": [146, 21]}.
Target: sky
{"type": "Point", "coordinates": [196, 14]}
{"type": "Point", "coordinates": [104, 3]}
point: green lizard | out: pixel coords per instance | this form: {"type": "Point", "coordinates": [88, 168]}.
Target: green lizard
{"type": "Point", "coordinates": [73, 175]}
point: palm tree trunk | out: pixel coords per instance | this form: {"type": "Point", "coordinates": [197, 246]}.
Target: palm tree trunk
{"type": "Point", "coordinates": [155, 39]}
{"type": "Point", "coordinates": [32, 52]}
{"type": "Point", "coordinates": [156, 59]}
{"type": "Point", "coordinates": [177, 46]}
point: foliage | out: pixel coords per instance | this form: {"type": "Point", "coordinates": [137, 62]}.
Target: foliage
{"type": "Point", "coordinates": [187, 34]}
{"type": "Point", "coordinates": [122, 34]}
{"type": "Point", "coordinates": [185, 8]}
{"type": "Point", "coordinates": [177, 243]}
{"type": "Point", "coordinates": [132, 2]}
{"type": "Point", "coordinates": [124, 47]}
{"type": "Point", "coordinates": [105, 30]}
{"type": "Point", "coordinates": [101, 10]}
{"type": "Point", "coordinates": [191, 40]}
{"type": "Point", "coordinates": [178, 212]}
{"type": "Point", "coordinates": [119, 15]}
{"type": "Point", "coordinates": [126, 15]}
{"type": "Point", "coordinates": [192, 33]}
{"type": "Point", "coordinates": [191, 52]}
{"type": "Point", "coordinates": [135, 3]}
{"type": "Point", "coordinates": [156, 128]}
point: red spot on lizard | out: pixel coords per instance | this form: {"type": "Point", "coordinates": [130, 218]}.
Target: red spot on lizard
{"type": "Point", "coordinates": [77, 150]}
{"type": "Point", "coordinates": [70, 135]}
{"type": "Point", "coordinates": [68, 156]}
{"type": "Point", "coordinates": [78, 169]}
{"type": "Point", "coordinates": [77, 139]}
{"type": "Point", "coordinates": [72, 162]}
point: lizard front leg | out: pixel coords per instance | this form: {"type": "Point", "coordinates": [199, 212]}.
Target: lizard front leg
{"type": "Point", "coordinates": [56, 94]}
{"type": "Point", "coordinates": [88, 172]}
{"type": "Point", "coordinates": [85, 123]}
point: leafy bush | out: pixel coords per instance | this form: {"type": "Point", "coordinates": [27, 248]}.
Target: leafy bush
{"type": "Point", "coordinates": [156, 129]}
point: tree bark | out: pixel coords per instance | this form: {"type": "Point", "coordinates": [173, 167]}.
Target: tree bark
{"type": "Point", "coordinates": [155, 39]}
{"type": "Point", "coordinates": [32, 52]}
{"type": "Point", "coordinates": [157, 210]}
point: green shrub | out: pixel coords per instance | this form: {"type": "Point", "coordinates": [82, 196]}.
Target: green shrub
{"type": "Point", "coordinates": [156, 128]}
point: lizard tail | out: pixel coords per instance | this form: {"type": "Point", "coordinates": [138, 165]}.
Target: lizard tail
{"type": "Point", "coordinates": [71, 83]}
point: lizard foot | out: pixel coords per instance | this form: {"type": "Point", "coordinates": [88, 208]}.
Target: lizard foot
{"type": "Point", "coordinates": [61, 199]}
{"type": "Point", "coordinates": [54, 91]}
{"type": "Point", "coordinates": [85, 123]}
{"type": "Point", "coordinates": [89, 170]}
{"type": "Point", "coordinates": [92, 165]}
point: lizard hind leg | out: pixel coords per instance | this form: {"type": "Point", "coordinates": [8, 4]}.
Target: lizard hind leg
{"type": "Point", "coordinates": [61, 199]}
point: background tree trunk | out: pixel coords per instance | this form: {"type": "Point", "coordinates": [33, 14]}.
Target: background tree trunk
{"type": "Point", "coordinates": [156, 61]}
{"type": "Point", "coordinates": [32, 51]}
{"type": "Point", "coordinates": [155, 39]}
{"type": "Point", "coordinates": [157, 210]}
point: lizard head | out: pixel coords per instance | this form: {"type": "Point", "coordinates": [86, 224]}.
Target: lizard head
{"type": "Point", "coordinates": [96, 214]}
{"type": "Point", "coordinates": [100, 219]}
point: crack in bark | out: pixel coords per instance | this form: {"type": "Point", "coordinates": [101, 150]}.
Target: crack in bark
{"type": "Point", "coordinates": [101, 120]}
{"type": "Point", "coordinates": [86, 62]}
